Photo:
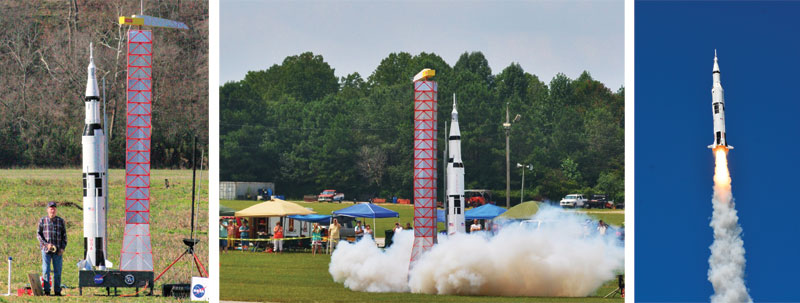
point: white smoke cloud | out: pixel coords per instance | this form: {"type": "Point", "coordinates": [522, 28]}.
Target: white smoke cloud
{"type": "Point", "coordinates": [727, 262]}
{"type": "Point", "coordinates": [365, 267]}
{"type": "Point", "coordinates": [563, 257]}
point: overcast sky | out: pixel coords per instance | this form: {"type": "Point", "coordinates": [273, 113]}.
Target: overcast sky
{"type": "Point", "coordinates": [545, 38]}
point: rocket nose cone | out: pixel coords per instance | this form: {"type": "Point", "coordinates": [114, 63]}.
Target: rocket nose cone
{"type": "Point", "coordinates": [91, 68]}
{"type": "Point", "coordinates": [91, 79]}
{"type": "Point", "coordinates": [91, 82]}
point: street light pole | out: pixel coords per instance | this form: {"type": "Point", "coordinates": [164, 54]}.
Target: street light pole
{"type": "Point", "coordinates": [522, 191]}
{"type": "Point", "coordinates": [507, 127]}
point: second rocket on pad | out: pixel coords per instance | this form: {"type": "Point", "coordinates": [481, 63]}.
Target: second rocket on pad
{"type": "Point", "coordinates": [95, 172]}
{"type": "Point", "coordinates": [455, 178]}
{"type": "Point", "coordinates": [718, 106]}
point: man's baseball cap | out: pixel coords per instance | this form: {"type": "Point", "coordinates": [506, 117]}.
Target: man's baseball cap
{"type": "Point", "coordinates": [51, 204]}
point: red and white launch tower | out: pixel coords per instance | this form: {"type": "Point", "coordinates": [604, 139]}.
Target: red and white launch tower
{"type": "Point", "coordinates": [137, 253]}
{"type": "Point", "coordinates": [425, 154]}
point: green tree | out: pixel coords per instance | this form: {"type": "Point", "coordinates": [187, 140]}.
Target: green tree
{"type": "Point", "coordinates": [358, 136]}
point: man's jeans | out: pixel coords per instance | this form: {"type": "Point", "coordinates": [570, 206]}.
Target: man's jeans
{"type": "Point", "coordinates": [56, 260]}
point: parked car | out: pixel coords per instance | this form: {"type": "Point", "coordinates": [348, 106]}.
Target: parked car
{"type": "Point", "coordinates": [531, 224]}
{"type": "Point", "coordinates": [573, 200]}
{"type": "Point", "coordinates": [477, 197]}
{"type": "Point", "coordinates": [598, 201]}
{"type": "Point", "coordinates": [330, 195]}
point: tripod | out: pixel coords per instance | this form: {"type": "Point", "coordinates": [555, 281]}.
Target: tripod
{"type": "Point", "coordinates": [191, 241]}
{"type": "Point", "coordinates": [620, 287]}
{"type": "Point", "coordinates": [189, 250]}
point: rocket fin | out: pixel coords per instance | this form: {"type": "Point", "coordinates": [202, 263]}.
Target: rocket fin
{"type": "Point", "coordinates": [84, 265]}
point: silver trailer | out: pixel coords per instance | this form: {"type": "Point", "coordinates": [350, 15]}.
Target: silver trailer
{"type": "Point", "coordinates": [242, 190]}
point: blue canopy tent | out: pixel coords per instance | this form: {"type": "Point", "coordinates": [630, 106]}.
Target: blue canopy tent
{"type": "Point", "coordinates": [366, 210]}
{"type": "Point", "coordinates": [440, 216]}
{"type": "Point", "coordinates": [486, 211]}
{"type": "Point", "coordinates": [313, 218]}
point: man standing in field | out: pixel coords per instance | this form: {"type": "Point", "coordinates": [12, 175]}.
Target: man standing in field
{"type": "Point", "coordinates": [223, 235]}
{"type": "Point", "coordinates": [602, 227]}
{"type": "Point", "coordinates": [475, 226]}
{"type": "Point", "coordinates": [333, 234]}
{"type": "Point", "coordinates": [52, 234]}
{"type": "Point", "coordinates": [359, 230]}
{"type": "Point", "coordinates": [231, 234]}
{"type": "Point", "coordinates": [277, 234]}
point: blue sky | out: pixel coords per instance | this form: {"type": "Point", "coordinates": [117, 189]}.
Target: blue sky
{"type": "Point", "coordinates": [757, 46]}
{"type": "Point", "coordinates": [545, 38]}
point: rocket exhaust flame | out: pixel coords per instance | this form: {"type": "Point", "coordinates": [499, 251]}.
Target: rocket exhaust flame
{"type": "Point", "coordinates": [727, 261]}
{"type": "Point", "coordinates": [722, 178]}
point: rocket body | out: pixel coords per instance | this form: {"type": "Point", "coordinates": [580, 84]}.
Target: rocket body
{"type": "Point", "coordinates": [455, 178]}
{"type": "Point", "coordinates": [718, 109]}
{"type": "Point", "coordinates": [95, 173]}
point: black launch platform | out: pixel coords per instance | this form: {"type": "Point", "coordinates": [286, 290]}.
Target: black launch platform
{"type": "Point", "coordinates": [114, 279]}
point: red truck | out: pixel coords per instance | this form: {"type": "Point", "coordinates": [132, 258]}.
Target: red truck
{"type": "Point", "coordinates": [330, 195]}
{"type": "Point", "coordinates": [477, 197]}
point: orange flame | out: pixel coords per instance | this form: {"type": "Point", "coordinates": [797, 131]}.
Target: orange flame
{"type": "Point", "coordinates": [722, 177]}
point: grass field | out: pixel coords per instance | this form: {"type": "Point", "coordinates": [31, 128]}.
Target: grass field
{"type": "Point", "coordinates": [287, 277]}
{"type": "Point", "coordinates": [23, 194]}
{"type": "Point", "coordinates": [305, 278]}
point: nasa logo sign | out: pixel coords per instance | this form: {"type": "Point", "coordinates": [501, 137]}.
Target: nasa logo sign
{"type": "Point", "coordinates": [98, 279]}
{"type": "Point", "coordinates": [129, 279]}
{"type": "Point", "coordinates": [199, 291]}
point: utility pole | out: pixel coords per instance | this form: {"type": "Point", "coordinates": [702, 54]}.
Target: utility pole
{"type": "Point", "coordinates": [507, 127]}
{"type": "Point", "coordinates": [522, 189]}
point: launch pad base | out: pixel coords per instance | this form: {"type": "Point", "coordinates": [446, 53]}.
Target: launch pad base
{"type": "Point", "coordinates": [114, 279]}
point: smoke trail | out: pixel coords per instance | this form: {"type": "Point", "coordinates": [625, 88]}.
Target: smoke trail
{"type": "Point", "coordinates": [562, 257]}
{"type": "Point", "coordinates": [364, 267]}
{"type": "Point", "coordinates": [727, 262]}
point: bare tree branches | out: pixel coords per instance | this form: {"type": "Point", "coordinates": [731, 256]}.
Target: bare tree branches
{"type": "Point", "coordinates": [43, 57]}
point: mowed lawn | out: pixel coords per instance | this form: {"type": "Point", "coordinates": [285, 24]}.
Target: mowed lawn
{"type": "Point", "coordinates": [291, 277]}
{"type": "Point", "coordinates": [24, 192]}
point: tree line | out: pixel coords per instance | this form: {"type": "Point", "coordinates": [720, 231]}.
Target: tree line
{"type": "Point", "coordinates": [44, 52]}
{"type": "Point", "coordinates": [298, 125]}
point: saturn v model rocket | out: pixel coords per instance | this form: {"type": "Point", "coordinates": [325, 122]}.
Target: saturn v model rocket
{"type": "Point", "coordinates": [455, 178]}
{"type": "Point", "coordinates": [718, 106]}
{"type": "Point", "coordinates": [95, 172]}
